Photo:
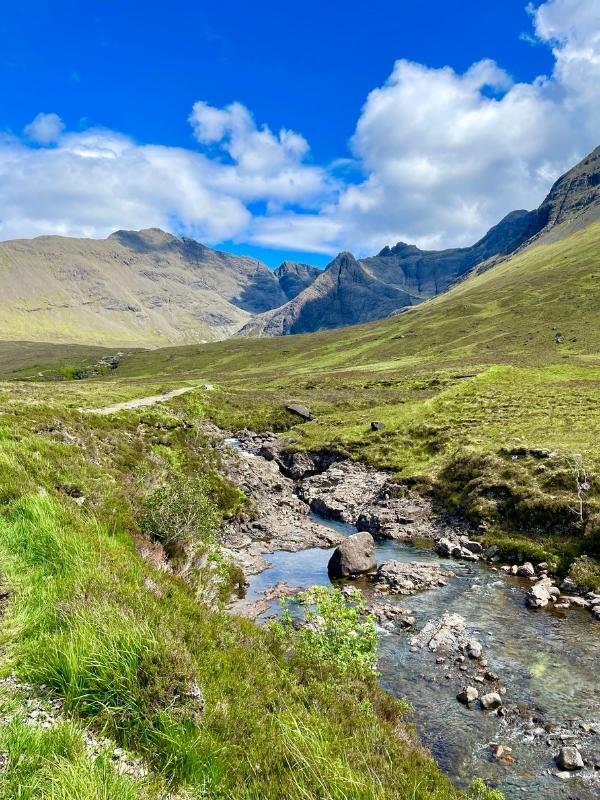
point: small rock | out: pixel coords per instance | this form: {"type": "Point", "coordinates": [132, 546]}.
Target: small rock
{"type": "Point", "coordinates": [377, 426]}
{"type": "Point", "coordinates": [569, 758]}
{"type": "Point", "coordinates": [490, 701]}
{"type": "Point", "coordinates": [467, 695]}
{"type": "Point", "coordinates": [300, 411]}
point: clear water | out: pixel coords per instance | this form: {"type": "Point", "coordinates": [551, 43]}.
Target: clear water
{"type": "Point", "coordinates": [548, 660]}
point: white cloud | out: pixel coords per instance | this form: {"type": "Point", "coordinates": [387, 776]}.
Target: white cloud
{"type": "Point", "coordinates": [446, 155]}
{"type": "Point", "coordinates": [443, 156]}
{"type": "Point", "coordinates": [45, 128]}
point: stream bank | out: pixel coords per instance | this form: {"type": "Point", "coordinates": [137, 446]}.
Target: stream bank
{"type": "Point", "coordinates": [544, 660]}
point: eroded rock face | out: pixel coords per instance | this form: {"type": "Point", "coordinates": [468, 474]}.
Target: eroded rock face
{"type": "Point", "coordinates": [354, 556]}
{"type": "Point", "coordinates": [398, 577]}
{"type": "Point", "coordinates": [276, 518]}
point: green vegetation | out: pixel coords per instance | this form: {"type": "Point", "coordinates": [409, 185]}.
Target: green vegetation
{"type": "Point", "coordinates": [336, 632]}
{"type": "Point", "coordinates": [214, 705]}
{"type": "Point", "coordinates": [489, 395]}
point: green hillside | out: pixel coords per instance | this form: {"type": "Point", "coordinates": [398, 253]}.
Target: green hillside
{"type": "Point", "coordinates": [507, 361]}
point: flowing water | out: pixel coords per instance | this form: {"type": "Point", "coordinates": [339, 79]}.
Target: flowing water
{"type": "Point", "coordinates": [548, 660]}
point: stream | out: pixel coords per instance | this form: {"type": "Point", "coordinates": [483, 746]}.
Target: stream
{"type": "Point", "coordinates": [548, 660]}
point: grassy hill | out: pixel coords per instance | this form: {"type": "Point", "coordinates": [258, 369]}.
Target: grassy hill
{"type": "Point", "coordinates": [468, 385]}
{"type": "Point", "coordinates": [490, 398]}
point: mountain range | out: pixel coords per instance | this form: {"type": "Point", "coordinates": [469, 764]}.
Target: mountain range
{"type": "Point", "coordinates": [150, 288]}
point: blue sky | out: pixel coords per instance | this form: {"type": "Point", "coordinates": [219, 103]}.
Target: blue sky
{"type": "Point", "coordinates": [356, 176]}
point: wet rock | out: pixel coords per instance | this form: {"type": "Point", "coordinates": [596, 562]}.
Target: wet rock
{"type": "Point", "coordinates": [474, 649]}
{"type": "Point", "coordinates": [472, 547]}
{"type": "Point", "coordinates": [491, 552]}
{"type": "Point", "coordinates": [540, 594]}
{"type": "Point", "coordinates": [354, 556]}
{"type": "Point", "coordinates": [491, 701]}
{"type": "Point", "coordinates": [467, 695]}
{"type": "Point", "coordinates": [445, 633]}
{"type": "Point", "coordinates": [300, 411]}
{"type": "Point", "coordinates": [569, 758]}
{"type": "Point", "coordinates": [398, 577]}
{"type": "Point", "coordinates": [502, 753]}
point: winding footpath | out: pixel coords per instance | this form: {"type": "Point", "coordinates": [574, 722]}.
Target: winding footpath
{"type": "Point", "coordinates": [139, 402]}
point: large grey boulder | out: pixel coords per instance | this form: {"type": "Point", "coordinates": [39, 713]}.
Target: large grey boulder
{"type": "Point", "coordinates": [354, 556]}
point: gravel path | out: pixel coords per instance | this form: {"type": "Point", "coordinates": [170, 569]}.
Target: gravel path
{"type": "Point", "coordinates": [140, 402]}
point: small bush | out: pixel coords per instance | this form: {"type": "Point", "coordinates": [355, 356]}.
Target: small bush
{"type": "Point", "coordinates": [334, 632]}
{"type": "Point", "coordinates": [586, 573]}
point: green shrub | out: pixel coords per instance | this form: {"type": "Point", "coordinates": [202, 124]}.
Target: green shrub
{"type": "Point", "coordinates": [586, 573]}
{"type": "Point", "coordinates": [334, 632]}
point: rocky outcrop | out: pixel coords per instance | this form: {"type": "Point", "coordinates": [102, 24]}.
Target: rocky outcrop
{"type": "Point", "coordinates": [354, 556]}
{"type": "Point", "coordinates": [294, 277]}
{"type": "Point", "coordinates": [275, 518]}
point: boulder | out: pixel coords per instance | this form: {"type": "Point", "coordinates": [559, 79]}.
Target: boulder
{"type": "Point", "coordinates": [467, 695]}
{"type": "Point", "coordinates": [300, 411]}
{"type": "Point", "coordinates": [472, 547]}
{"type": "Point", "coordinates": [444, 547]}
{"type": "Point", "coordinates": [569, 758]}
{"type": "Point", "coordinates": [354, 556]}
{"type": "Point", "coordinates": [526, 570]}
{"type": "Point", "coordinates": [490, 701]}
{"type": "Point", "coordinates": [540, 594]}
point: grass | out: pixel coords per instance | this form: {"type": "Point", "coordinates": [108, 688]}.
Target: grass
{"type": "Point", "coordinates": [125, 660]}
{"type": "Point", "coordinates": [471, 387]}
{"type": "Point", "coordinates": [489, 396]}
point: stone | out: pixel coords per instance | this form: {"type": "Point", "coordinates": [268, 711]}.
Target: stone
{"type": "Point", "coordinates": [474, 649]}
{"type": "Point", "coordinates": [472, 547]}
{"type": "Point", "coordinates": [568, 586]}
{"type": "Point", "coordinates": [467, 695]}
{"type": "Point", "coordinates": [300, 411]}
{"type": "Point", "coordinates": [569, 758]}
{"type": "Point", "coordinates": [539, 595]}
{"type": "Point", "coordinates": [491, 552]}
{"type": "Point", "coordinates": [401, 578]}
{"type": "Point", "coordinates": [502, 753]}
{"type": "Point", "coordinates": [491, 701]}
{"type": "Point", "coordinates": [444, 547]}
{"type": "Point", "coordinates": [354, 556]}
{"type": "Point", "coordinates": [526, 570]}
{"type": "Point", "coordinates": [377, 426]}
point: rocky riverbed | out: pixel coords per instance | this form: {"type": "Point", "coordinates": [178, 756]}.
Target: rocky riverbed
{"type": "Point", "coordinates": [500, 663]}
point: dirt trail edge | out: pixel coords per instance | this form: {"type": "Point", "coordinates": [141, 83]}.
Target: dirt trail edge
{"type": "Point", "coordinates": [140, 402]}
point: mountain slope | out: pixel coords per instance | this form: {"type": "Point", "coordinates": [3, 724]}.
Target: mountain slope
{"type": "Point", "coordinates": [294, 277]}
{"type": "Point", "coordinates": [346, 293]}
{"type": "Point", "coordinates": [412, 275]}
{"type": "Point", "coordinates": [136, 288]}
